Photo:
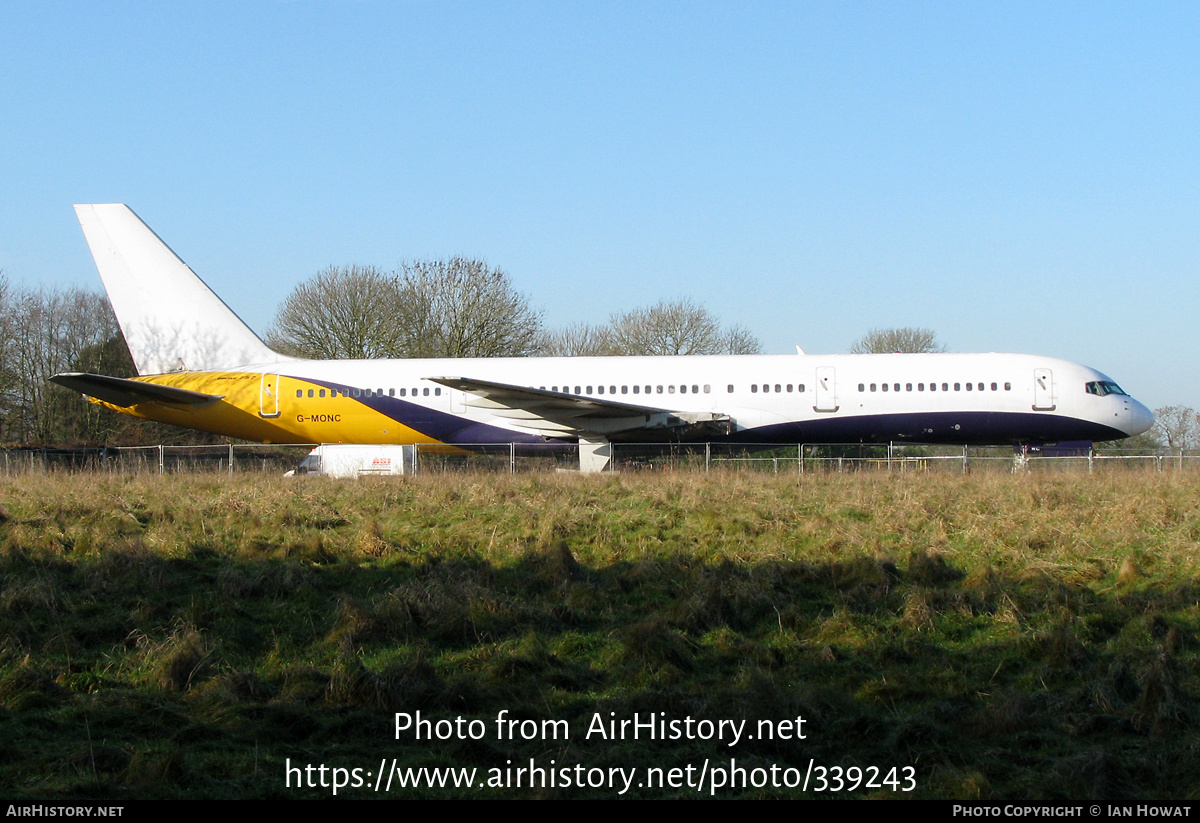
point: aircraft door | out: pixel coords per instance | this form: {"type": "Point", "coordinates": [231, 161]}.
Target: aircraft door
{"type": "Point", "coordinates": [268, 396]}
{"type": "Point", "coordinates": [1043, 390]}
{"type": "Point", "coordinates": [826, 390]}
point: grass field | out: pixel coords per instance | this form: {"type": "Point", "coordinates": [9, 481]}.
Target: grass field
{"type": "Point", "coordinates": [1016, 637]}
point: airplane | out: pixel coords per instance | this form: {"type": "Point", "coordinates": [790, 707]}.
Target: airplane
{"type": "Point", "coordinates": [201, 367]}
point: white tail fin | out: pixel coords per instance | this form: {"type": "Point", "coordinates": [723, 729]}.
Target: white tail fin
{"type": "Point", "coordinates": [171, 320]}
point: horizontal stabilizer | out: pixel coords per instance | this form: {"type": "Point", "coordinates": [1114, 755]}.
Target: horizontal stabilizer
{"type": "Point", "coordinates": [122, 392]}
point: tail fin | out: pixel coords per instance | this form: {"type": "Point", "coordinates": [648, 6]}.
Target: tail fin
{"type": "Point", "coordinates": [171, 320]}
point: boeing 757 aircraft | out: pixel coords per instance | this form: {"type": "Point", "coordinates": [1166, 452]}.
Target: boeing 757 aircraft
{"type": "Point", "coordinates": [201, 367]}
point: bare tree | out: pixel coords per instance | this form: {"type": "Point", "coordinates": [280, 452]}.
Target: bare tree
{"type": "Point", "coordinates": [465, 308]}
{"type": "Point", "coordinates": [8, 374]}
{"type": "Point", "coordinates": [577, 340]}
{"type": "Point", "coordinates": [670, 327]}
{"type": "Point", "coordinates": [443, 308]}
{"type": "Point", "coordinates": [342, 313]}
{"type": "Point", "coordinates": [739, 340]}
{"type": "Point", "coordinates": [46, 331]}
{"type": "Point", "coordinates": [908, 339]}
{"type": "Point", "coordinates": [1177, 427]}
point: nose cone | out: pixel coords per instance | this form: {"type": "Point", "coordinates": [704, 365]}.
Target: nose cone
{"type": "Point", "coordinates": [1139, 418]}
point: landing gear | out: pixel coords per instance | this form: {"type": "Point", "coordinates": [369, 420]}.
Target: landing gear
{"type": "Point", "coordinates": [1020, 458]}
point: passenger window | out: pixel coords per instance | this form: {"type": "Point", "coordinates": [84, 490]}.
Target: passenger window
{"type": "Point", "coordinates": [311, 392]}
{"type": "Point", "coordinates": [599, 390]}
{"type": "Point", "coordinates": [862, 387]}
{"type": "Point", "coordinates": [754, 388]}
{"type": "Point", "coordinates": [671, 389]}
{"type": "Point", "coordinates": [945, 387]}
{"type": "Point", "coordinates": [920, 387]}
{"type": "Point", "coordinates": [695, 389]}
{"type": "Point", "coordinates": [885, 386]}
{"type": "Point", "coordinates": [908, 386]}
{"type": "Point", "coordinates": [872, 387]}
{"type": "Point", "coordinates": [635, 389]}
{"type": "Point", "coordinates": [958, 387]}
{"type": "Point", "coordinates": [708, 388]}
{"type": "Point", "coordinates": [1008, 386]}
{"type": "Point", "coordinates": [968, 387]}
{"type": "Point", "coordinates": [322, 393]}
{"type": "Point", "coordinates": [993, 387]}
{"type": "Point", "coordinates": [729, 388]}
{"type": "Point", "coordinates": [299, 392]}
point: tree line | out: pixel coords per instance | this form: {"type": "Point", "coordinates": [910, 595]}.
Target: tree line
{"type": "Point", "coordinates": [459, 307]}
{"type": "Point", "coordinates": [465, 308]}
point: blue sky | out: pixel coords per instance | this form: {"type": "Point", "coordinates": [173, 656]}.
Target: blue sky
{"type": "Point", "coordinates": [1016, 176]}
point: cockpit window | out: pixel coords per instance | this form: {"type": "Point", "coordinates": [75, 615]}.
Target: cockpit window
{"type": "Point", "coordinates": [1102, 387]}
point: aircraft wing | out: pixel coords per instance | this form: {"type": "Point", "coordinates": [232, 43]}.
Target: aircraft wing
{"type": "Point", "coordinates": [550, 411]}
{"type": "Point", "coordinates": [122, 392]}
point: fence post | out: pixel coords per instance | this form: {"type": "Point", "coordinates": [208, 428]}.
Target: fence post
{"type": "Point", "coordinates": [1091, 452]}
{"type": "Point", "coordinates": [512, 457]}
{"type": "Point", "coordinates": [160, 458]}
{"type": "Point", "coordinates": [800, 458]}
{"type": "Point", "coordinates": [231, 458]}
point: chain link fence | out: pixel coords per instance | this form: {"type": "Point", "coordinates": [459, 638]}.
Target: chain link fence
{"type": "Point", "coordinates": [160, 459]}
{"type": "Point", "coordinates": [783, 458]}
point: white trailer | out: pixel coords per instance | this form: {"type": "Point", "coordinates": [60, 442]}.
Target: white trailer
{"type": "Point", "coordinates": [355, 460]}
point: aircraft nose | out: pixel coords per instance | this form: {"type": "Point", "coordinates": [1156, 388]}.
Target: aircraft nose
{"type": "Point", "coordinates": [1140, 418]}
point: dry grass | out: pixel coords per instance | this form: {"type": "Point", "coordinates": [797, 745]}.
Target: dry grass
{"type": "Point", "coordinates": [979, 626]}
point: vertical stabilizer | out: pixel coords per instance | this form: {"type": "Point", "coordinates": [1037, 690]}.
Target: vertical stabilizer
{"type": "Point", "coordinates": [171, 320]}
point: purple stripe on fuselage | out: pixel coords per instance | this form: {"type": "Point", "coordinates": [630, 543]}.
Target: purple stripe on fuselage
{"type": "Point", "coordinates": [437, 426]}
